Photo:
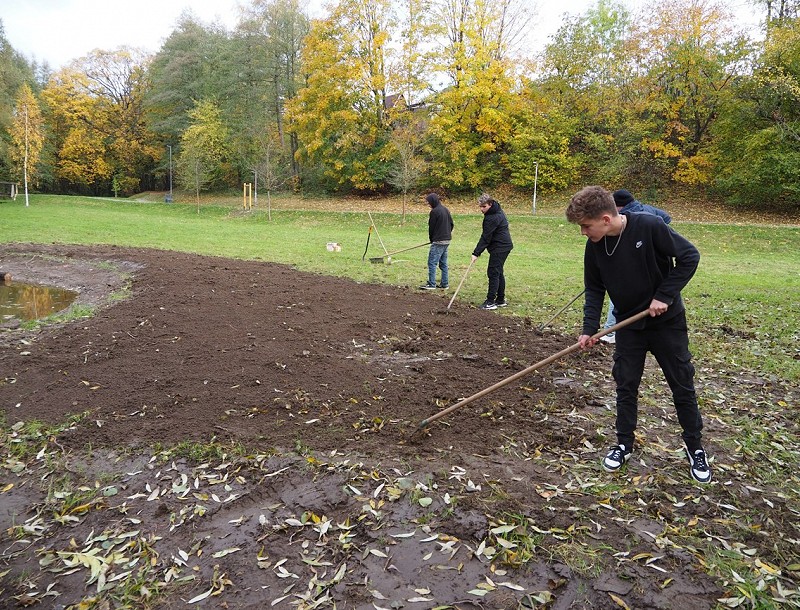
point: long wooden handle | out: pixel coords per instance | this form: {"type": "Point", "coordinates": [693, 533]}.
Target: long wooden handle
{"type": "Point", "coordinates": [568, 350]}
{"type": "Point", "coordinates": [461, 283]}
{"type": "Point", "coordinates": [378, 235]}
{"type": "Point", "coordinates": [562, 310]}
{"type": "Point", "coordinates": [405, 249]}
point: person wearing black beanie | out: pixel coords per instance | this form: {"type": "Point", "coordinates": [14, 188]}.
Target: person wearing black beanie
{"type": "Point", "coordinates": [627, 204]}
{"type": "Point", "coordinates": [622, 198]}
{"type": "Point", "coordinates": [440, 228]}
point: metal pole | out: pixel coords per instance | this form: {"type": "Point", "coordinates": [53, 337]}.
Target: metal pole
{"type": "Point", "coordinates": [170, 173]}
{"type": "Point", "coordinates": [255, 183]}
{"type": "Point", "coordinates": [535, 179]}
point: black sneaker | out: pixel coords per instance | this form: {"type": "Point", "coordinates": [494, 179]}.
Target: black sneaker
{"type": "Point", "coordinates": [698, 465]}
{"type": "Point", "coordinates": [616, 457]}
{"type": "Point", "coordinates": [445, 287]}
{"type": "Point", "coordinates": [502, 303]}
{"type": "Point", "coordinates": [489, 305]}
{"type": "Point", "coordinates": [427, 287]}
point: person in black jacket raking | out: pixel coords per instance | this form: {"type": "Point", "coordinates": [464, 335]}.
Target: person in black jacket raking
{"type": "Point", "coordinates": [643, 264]}
{"type": "Point", "coordinates": [496, 238]}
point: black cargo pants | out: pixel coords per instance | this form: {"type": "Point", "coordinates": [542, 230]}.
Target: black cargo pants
{"type": "Point", "coordinates": [668, 341]}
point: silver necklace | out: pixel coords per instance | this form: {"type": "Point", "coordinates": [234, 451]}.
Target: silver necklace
{"type": "Point", "coordinates": [619, 238]}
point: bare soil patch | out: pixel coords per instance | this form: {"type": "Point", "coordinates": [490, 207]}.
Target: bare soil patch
{"type": "Point", "coordinates": [314, 489]}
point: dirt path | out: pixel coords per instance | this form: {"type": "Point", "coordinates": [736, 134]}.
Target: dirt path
{"type": "Point", "coordinates": [245, 432]}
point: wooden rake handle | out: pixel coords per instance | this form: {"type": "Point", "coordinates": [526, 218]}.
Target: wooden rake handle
{"type": "Point", "coordinates": [380, 258]}
{"type": "Point", "coordinates": [461, 283]}
{"type": "Point", "coordinates": [378, 235]}
{"type": "Point", "coordinates": [427, 243]}
{"type": "Point", "coordinates": [568, 350]}
{"type": "Point", "coordinates": [560, 311]}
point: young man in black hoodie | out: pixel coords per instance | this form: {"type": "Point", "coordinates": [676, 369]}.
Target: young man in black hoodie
{"type": "Point", "coordinates": [440, 228]}
{"type": "Point", "coordinates": [626, 204]}
{"type": "Point", "coordinates": [643, 264]}
{"type": "Point", "coordinates": [496, 238]}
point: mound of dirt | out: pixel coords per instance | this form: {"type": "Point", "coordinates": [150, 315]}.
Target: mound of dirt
{"type": "Point", "coordinates": [251, 351]}
{"type": "Point", "coordinates": [315, 386]}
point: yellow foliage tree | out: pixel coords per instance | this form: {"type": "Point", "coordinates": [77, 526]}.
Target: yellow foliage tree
{"type": "Point", "coordinates": [27, 135]}
{"type": "Point", "coordinates": [80, 149]}
{"type": "Point", "coordinates": [340, 116]}
{"type": "Point", "coordinates": [96, 109]}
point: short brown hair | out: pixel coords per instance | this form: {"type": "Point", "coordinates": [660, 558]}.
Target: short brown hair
{"type": "Point", "coordinates": [590, 202]}
{"type": "Point", "coordinates": [485, 199]}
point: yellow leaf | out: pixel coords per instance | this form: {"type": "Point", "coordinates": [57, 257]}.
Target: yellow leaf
{"type": "Point", "coordinates": [619, 601]}
{"type": "Point", "coordinates": [766, 567]}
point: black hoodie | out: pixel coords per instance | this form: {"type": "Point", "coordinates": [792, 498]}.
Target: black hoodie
{"type": "Point", "coordinates": [495, 237]}
{"type": "Point", "coordinates": [440, 223]}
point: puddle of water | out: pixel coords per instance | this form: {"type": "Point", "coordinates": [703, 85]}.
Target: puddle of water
{"type": "Point", "coordinates": [30, 302]}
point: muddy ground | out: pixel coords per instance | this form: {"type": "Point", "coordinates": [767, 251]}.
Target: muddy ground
{"type": "Point", "coordinates": [241, 434]}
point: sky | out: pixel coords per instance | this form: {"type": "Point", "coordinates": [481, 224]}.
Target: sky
{"type": "Point", "coordinates": [58, 31]}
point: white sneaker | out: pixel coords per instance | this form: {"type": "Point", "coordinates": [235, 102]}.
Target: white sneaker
{"type": "Point", "coordinates": [616, 457]}
{"type": "Point", "coordinates": [609, 338]}
{"type": "Point", "coordinates": [698, 465]}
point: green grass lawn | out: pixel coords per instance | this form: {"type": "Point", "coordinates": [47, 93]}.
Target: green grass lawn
{"type": "Point", "coordinates": [742, 304]}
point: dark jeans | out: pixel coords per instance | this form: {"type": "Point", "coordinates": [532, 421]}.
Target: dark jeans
{"type": "Point", "coordinates": [497, 281]}
{"type": "Point", "coordinates": [668, 341]}
{"type": "Point", "coordinates": [437, 256]}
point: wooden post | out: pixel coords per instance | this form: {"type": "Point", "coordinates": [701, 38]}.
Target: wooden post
{"type": "Point", "coordinates": [247, 195]}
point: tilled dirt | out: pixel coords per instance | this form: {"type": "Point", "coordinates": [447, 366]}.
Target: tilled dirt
{"type": "Point", "coordinates": [319, 488]}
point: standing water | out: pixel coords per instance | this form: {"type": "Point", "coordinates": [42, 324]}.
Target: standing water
{"type": "Point", "coordinates": [31, 302]}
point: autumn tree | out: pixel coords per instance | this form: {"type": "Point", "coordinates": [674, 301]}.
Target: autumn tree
{"type": "Point", "coordinates": [779, 12]}
{"type": "Point", "coordinates": [190, 66]}
{"type": "Point", "coordinates": [96, 107]}
{"type": "Point", "coordinates": [27, 135]}
{"type": "Point", "coordinates": [285, 27]}
{"type": "Point", "coordinates": [756, 145]}
{"type": "Point", "coordinates": [14, 72]}
{"type": "Point", "coordinates": [471, 129]}
{"type": "Point", "coordinates": [691, 55]}
{"type": "Point", "coordinates": [587, 86]}
{"type": "Point", "coordinates": [266, 51]}
{"type": "Point", "coordinates": [412, 68]}
{"type": "Point", "coordinates": [204, 160]}
{"type": "Point", "coordinates": [405, 144]}
{"type": "Point", "coordinates": [540, 152]}
{"type": "Point", "coordinates": [340, 115]}
{"type": "Point", "coordinates": [80, 152]}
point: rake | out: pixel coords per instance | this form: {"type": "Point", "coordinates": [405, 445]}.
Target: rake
{"type": "Point", "coordinates": [387, 258]}
{"type": "Point", "coordinates": [573, 348]}
{"type": "Point", "coordinates": [544, 325]}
